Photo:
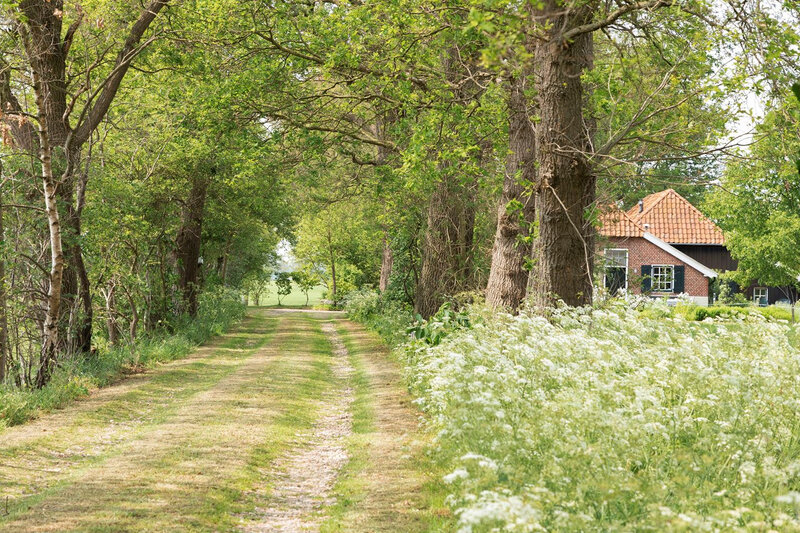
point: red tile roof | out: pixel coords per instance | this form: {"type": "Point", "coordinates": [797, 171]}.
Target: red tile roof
{"type": "Point", "coordinates": [615, 222]}
{"type": "Point", "coordinates": [670, 217]}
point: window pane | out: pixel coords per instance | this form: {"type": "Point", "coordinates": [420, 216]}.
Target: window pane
{"type": "Point", "coordinates": [616, 258]}
{"type": "Point", "coordinates": [663, 277]}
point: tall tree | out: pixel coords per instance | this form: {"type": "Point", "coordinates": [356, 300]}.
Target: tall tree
{"type": "Point", "coordinates": [508, 277]}
{"type": "Point", "coordinates": [69, 109]}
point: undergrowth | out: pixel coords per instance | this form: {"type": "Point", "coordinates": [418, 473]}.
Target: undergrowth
{"type": "Point", "coordinates": [389, 318]}
{"type": "Point", "coordinates": [75, 378]}
{"type": "Point", "coordinates": [614, 419]}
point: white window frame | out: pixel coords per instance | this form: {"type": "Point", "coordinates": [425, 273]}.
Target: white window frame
{"type": "Point", "coordinates": [756, 299]}
{"type": "Point", "coordinates": [627, 260]}
{"type": "Point", "coordinates": [654, 278]}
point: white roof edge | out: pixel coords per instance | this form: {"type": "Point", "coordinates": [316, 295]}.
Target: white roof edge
{"type": "Point", "coordinates": [671, 250]}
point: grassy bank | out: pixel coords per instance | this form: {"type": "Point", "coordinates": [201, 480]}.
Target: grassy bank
{"type": "Point", "coordinates": [614, 419]}
{"type": "Point", "coordinates": [75, 378]}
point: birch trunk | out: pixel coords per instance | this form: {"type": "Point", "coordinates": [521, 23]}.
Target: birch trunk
{"type": "Point", "coordinates": [47, 358]}
{"type": "Point", "coordinates": [387, 261]}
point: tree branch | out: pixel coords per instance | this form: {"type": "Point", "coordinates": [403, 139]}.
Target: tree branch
{"type": "Point", "coordinates": [613, 16]}
{"type": "Point", "coordinates": [112, 83]}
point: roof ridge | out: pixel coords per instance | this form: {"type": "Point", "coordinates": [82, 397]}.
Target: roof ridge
{"type": "Point", "coordinates": [703, 215]}
{"type": "Point", "coordinates": [632, 221]}
{"type": "Point", "coordinates": [661, 195]}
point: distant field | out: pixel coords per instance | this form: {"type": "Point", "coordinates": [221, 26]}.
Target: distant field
{"type": "Point", "coordinates": [295, 299]}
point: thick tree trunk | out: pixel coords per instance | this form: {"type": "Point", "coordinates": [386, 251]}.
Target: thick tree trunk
{"type": "Point", "coordinates": [566, 183]}
{"type": "Point", "coordinates": [188, 245]}
{"type": "Point", "coordinates": [447, 250]}
{"type": "Point", "coordinates": [448, 242]}
{"type": "Point", "coordinates": [387, 262]}
{"type": "Point", "coordinates": [508, 277]}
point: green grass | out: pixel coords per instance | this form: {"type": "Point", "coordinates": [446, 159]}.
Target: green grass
{"type": "Point", "coordinates": [295, 299]}
{"type": "Point", "coordinates": [200, 435]}
{"type": "Point", "coordinates": [381, 493]}
{"type": "Point", "coordinates": [75, 378]}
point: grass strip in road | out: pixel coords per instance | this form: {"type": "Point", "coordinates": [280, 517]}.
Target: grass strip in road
{"type": "Point", "coordinates": [389, 484]}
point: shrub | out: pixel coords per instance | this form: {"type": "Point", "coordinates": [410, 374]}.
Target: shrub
{"type": "Point", "coordinates": [698, 313]}
{"type": "Point", "coordinates": [388, 317]}
{"type": "Point", "coordinates": [444, 322]}
{"type": "Point", "coordinates": [609, 419]}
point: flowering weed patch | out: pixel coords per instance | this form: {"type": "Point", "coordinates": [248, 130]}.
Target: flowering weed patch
{"type": "Point", "coordinates": [613, 419]}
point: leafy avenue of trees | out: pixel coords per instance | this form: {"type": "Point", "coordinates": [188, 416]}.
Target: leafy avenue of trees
{"type": "Point", "coordinates": [153, 150]}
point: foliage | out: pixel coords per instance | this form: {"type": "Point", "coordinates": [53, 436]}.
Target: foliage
{"type": "Point", "coordinates": [342, 244]}
{"type": "Point", "coordinates": [257, 284]}
{"type": "Point", "coordinates": [283, 281]}
{"type": "Point", "coordinates": [701, 312]}
{"type": "Point", "coordinates": [758, 204]}
{"type": "Point", "coordinates": [445, 321]}
{"type": "Point", "coordinates": [606, 419]}
{"type": "Point", "coordinates": [77, 377]}
{"type": "Point", "coordinates": [727, 293]}
{"type": "Point", "coordinates": [306, 280]}
{"type": "Point", "coordinates": [387, 316]}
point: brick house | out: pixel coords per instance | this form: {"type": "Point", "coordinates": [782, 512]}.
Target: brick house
{"type": "Point", "coordinates": [663, 246]}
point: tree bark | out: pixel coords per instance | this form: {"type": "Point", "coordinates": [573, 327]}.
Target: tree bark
{"type": "Point", "coordinates": [50, 329]}
{"type": "Point", "coordinates": [447, 250]}
{"type": "Point", "coordinates": [47, 48]}
{"type": "Point", "coordinates": [448, 242]}
{"type": "Point", "coordinates": [188, 244]}
{"type": "Point", "coordinates": [508, 276]}
{"type": "Point", "coordinates": [134, 326]}
{"type": "Point", "coordinates": [333, 268]}
{"type": "Point", "coordinates": [111, 314]}
{"type": "Point", "coordinates": [4, 345]}
{"type": "Point", "coordinates": [566, 183]}
{"type": "Point", "coordinates": [387, 262]}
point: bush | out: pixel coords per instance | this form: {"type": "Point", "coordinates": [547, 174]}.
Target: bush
{"type": "Point", "coordinates": [698, 313]}
{"type": "Point", "coordinates": [388, 317]}
{"type": "Point", "coordinates": [608, 419]}
{"type": "Point", "coordinates": [444, 322]}
{"type": "Point", "coordinates": [73, 379]}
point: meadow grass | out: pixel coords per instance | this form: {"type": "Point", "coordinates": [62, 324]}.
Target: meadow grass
{"type": "Point", "coordinates": [295, 299]}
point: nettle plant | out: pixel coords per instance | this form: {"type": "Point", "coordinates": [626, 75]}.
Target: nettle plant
{"type": "Point", "coordinates": [612, 419]}
{"type": "Point", "coordinates": [444, 322]}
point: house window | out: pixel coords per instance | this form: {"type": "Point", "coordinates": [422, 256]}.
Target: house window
{"type": "Point", "coordinates": [616, 274]}
{"type": "Point", "coordinates": [761, 296]}
{"type": "Point", "coordinates": [663, 278]}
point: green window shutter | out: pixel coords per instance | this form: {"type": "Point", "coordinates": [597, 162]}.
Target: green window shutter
{"type": "Point", "coordinates": [680, 275]}
{"type": "Point", "coordinates": [646, 271]}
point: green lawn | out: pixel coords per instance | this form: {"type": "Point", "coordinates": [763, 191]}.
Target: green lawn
{"type": "Point", "coordinates": [296, 299]}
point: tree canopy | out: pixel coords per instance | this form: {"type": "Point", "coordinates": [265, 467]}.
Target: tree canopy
{"type": "Point", "coordinates": [440, 151]}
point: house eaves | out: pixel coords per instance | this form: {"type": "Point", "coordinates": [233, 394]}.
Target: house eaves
{"type": "Point", "coordinates": [674, 252]}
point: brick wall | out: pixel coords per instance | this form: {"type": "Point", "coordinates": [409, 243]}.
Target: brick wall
{"type": "Point", "coordinates": [642, 252]}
